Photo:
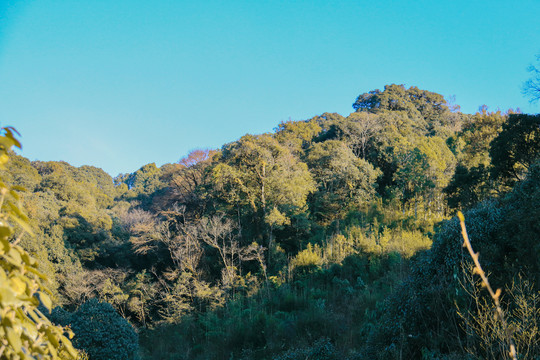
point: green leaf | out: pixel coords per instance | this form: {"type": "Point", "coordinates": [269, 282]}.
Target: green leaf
{"type": "Point", "coordinates": [6, 143]}
{"type": "Point", "coordinates": [15, 194]}
{"type": "Point", "coordinates": [4, 242]}
{"type": "Point", "coordinates": [18, 285]}
{"type": "Point", "coordinates": [15, 256]}
{"type": "Point", "coordinates": [9, 134]}
{"type": "Point", "coordinates": [14, 339]}
{"type": "Point", "coordinates": [46, 300]}
{"type": "Point", "coordinates": [23, 224]}
{"type": "Point", "coordinates": [35, 271]}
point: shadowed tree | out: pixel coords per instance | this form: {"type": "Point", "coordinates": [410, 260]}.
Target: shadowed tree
{"type": "Point", "coordinates": [516, 148]}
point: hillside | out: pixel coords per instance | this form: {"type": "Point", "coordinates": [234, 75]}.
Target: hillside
{"type": "Point", "coordinates": [329, 238]}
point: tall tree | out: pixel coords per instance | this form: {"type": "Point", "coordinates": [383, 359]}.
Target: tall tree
{"type": "Point", "coordinates": [471, 182]}
{"type": "Point", "coordinates": [257, 178]}
{"type": "Point", "coordinates": [262, 174]}
{"type": "Point", "coordinates": [344, 181]}
{"type": "Point", "coordinates": [418, 103]}
{"type": "Point", "coordinates": [476, 136]}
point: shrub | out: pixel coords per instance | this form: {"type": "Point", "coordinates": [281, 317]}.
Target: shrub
{"type": "Point", "coordinates": [101, 331]}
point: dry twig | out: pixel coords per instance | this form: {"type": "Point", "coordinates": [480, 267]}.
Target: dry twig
{"type": "Point", "coordinates": [495, 295]}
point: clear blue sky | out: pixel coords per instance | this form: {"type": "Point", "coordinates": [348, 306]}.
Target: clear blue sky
{"type": "Point", "coordinates": [118, 84]}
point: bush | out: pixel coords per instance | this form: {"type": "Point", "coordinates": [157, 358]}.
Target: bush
{"type": "Point", "coordinates": [101, 331]}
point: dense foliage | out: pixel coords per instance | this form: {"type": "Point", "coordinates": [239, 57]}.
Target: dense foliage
{"type": "Point", "coordinates": [330, 238]}
{"type": "Point", "coordinates": [101, 332]}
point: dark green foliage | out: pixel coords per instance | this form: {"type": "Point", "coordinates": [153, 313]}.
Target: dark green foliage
{"type": "Point", "coordinates": [142, 185]}
{"type": "Point", "coordinates": [504, 232]}
{"type": "Point", "coordinates": [420, 313]}
{"type": "Point", "coordinates": [471, 182]}
{"type": "Point", "coordinates": [468, 187]}
{"type": "Point", "coordinates": [412, 176]}
{"type": "Point", "coordinates": [419, 104]}
{"type": "Point", "coordinates": [100, 331]}
{"type": "Point", "coordinates": [322, 349]}
{"type": "Point", "coordinates": [518, 236]}
{"type": "Point", "coordinates": [516, 148]}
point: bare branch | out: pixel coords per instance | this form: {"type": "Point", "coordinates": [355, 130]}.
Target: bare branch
{"type": "Point", "coordinates": [495, 295]}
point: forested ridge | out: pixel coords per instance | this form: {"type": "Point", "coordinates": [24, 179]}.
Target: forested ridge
{"type": "Point", "coordinates": [329, 238]}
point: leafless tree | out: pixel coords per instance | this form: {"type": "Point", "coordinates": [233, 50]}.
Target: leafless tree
{"type": "Point", "coordinates": [218, 232]}
{"type": "Point", "coordinates": [359, 130]}
{"type": "Point", "coordinates": [142, 228]}
{"type": "Point", "coordinates": [184, 247]}
{"type": "Point", "coordinates": [531, 87]}
{"type": "Point", "coordinates": [84, 285]}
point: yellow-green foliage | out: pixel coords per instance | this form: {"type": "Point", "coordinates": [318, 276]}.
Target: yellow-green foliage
{"type": "Point", "coordinates": [358, 241]}
{"type": "Point", "coordinates": [404, 242]}
{"type": "Point", "coordinates": [338, 248]}
{"type": "Point", "coordinates": [25, 333]}
{"type": "Point", "coordinates": [310, 258]}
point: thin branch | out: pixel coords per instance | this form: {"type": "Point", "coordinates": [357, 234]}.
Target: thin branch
{"type": "Point", "coordinates": [495, 295]}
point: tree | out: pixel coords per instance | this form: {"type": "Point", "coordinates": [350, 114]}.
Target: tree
{"type": "Point", "coordinates": [412, 174]}
{"type": "Point", "coordinates": [476, 135]}
{"type": "Point", "coordinates": [468, 186]}
{"type": "Point", "coordinates": [428, 110]}
{"type": "Point", "coordinates": [368, 101]}
{"type": "Point", "coordinates": [184, 246]}
{"type": "Point", "coordinates": [185, 185]}
{"type": "Point", "coordinates": [417, 103]}
{"type": "Point", "coordinates": [357, 130]}
{"type": "Point", "coordinates": [344, 181]}
{"type": "Point", "coordinates": [259, 173]}
{"type": "Point", "coordinates": [515, 148]}
{"type": "Point", "coordinates": [471, 182]}
{"type": "Point", "coordinates": [297, 135]}
{"type": "Point", "coordinates": [25, 333]}
{"type": "Point", "coordinates": [141, 227]}
{"type": "Point", "coordinates": [218, 232]}
{"type": "Point", "coordinates": [531, 87]}
{"type": "Point", "coordinates": [142, 184]}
